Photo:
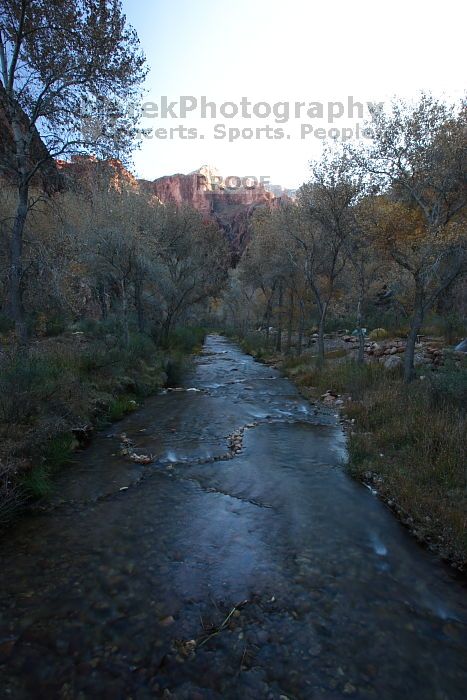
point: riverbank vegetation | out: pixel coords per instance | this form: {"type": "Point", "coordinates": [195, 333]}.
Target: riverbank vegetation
{"type": "Point", "coordinates": [101, 283]}
{"type": "Point", "coordinates": [357, 290]}
{"type": "Point", "coordinates": [113, 288]}
{"type": "Point", "coordinates": [57, 393]}
{"type": "Point", "coordinates": [407, 443]}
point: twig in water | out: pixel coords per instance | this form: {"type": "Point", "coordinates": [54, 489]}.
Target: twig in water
{"type": "Point", "coordinates": [224, 624]}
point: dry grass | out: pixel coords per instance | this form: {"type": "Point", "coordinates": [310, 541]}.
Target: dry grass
{"type": "Point", "coordinates": [416, 446]}
{"type": "Point", "coordinates": [60, 384]}
{"type": "Point", "coordinates": [408, 439]}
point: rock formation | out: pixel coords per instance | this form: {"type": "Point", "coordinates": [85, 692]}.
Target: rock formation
{"type": "Point", "coordinates": [205, 190]}
{"type": "Point", "coordinates": [47, 176]}
{"type": "Point", "coordinates": [230, 204]}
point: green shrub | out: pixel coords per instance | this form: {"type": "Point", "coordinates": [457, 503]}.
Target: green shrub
{"type": "Point", "coordinates": [6, 324]}
{"type": "Point", "coordinates": [378, 334]}
{"type": "Point", "coordinates": [450, 325]}
{"type": "Point", "coordinates": [175, 366]}
{"type": "Point", "coordinates": [336, 354]}
{"type": "Point", "coordinates": [58, 451]}
{"type": "Point", "coordinates": [448, 383]}
{"type": "Point", "coordinates": [141, 346]}
{"type": "Point", "coordinates": [55, 326]}
{"type": "Point", "coordinates": [120, 407]}
{"type": "Point", "coordinates": [186, 339]}
{"type": "Point", "coordinates": [26, 381]}
{"type": "Point", "coordinates": [37, 482]}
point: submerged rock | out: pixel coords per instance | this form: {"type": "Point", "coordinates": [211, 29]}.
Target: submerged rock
{"type": "Point", "coordinates": [392, 362]}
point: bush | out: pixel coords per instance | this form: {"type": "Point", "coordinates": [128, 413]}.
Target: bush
{"type": "Point", "coordinates": [25, 382]}
{"type": "Point", "coordinates": [450, 325]}
{"type": "Point", "coordinates": [448, 383]}
{"type": "Point", "coordinates": [37, 482]}
{"type": "Point", "coordinates": [416, 447]}
{"type": "Point", "coordinates": [6, 324]}
{"type": "Point", "coordinates": [11, 496]}
{"type": "Point", "coordinates": [141, 346]}
{"type": "Point", "coordinates": [55, 326]}
{"type": "Point", "coordinates": [344, 377]}
{"type": "Point", "coordinates": [174, 368]}
{"type": "Point", "coordinates": [378, 334]}
{"type": "Point", "coordinates": [186, 339]}
{"type": "Point", "coordinates": [120, 407]}
{"type": "Point", "coordinates": [58, 451]}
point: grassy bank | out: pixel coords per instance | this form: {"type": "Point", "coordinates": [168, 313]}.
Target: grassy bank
{"type": "Point", "coordinates": [57, 392]}
{"type": "Point", "coordinates": [408, 442]}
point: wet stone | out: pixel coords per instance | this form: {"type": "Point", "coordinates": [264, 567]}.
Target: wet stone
{"type": "Point", "coordinates": [118, 592]}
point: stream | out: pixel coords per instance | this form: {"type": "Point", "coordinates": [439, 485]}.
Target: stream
{"type": "Point", "coordinates": [241, 563]}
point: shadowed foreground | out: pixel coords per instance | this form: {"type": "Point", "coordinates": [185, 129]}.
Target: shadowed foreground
{"type": "Point", "coordinates": [220, 572]}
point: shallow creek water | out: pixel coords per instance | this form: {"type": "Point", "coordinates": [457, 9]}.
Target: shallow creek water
{"type": "Point", "coordinates": [265, 574]}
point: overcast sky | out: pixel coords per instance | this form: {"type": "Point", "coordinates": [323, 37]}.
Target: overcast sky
{"type": "Point", "coordinates": [287, 52]}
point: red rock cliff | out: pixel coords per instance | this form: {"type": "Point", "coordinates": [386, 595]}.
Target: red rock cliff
{"type": "Point", "coordinates": [231, 208]}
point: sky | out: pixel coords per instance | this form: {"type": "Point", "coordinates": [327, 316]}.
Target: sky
{"type": "Point", "coordinates": [282, 53]}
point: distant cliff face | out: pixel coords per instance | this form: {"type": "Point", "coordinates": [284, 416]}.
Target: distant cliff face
{"type": "Point", "coordinates": [47, 176]}
{"type": "Point", "coordinates": [231, 208]}
{"type": "Point", "coordinates": [86, 173]}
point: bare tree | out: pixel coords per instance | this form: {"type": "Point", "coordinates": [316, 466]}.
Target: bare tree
{"type": "Point", "coordinates": [61, 60]}
{"type": "Point", "coordinates": [418, 158]}
{"type": "Point", "coordinates": [193, 259]}
{"type": "Point", "coordinates": [322, 229]}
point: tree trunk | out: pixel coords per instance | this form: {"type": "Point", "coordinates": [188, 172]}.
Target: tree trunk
{"type": "Point", "coordinates": [301, 324]}
{"type": "Point", "coordinates": [321, 325]}
{"type": "Point", "coordinates": [139, 305]}
{"type": "Point", "coordinates": [290, 323]}
{"type": "Point", "coordinates": [279, 329]}
{"type": "Point", "coordinates": [268, 318]}
{"type": "Point", "coordinates": [165, 331]}
{"type": "Point", "coordinates": [361, 337]}
{"type": "Point", "coordinates": [268, 313]}
{"type": "Point", "coordinates": [102, 301]}
{"type": "Point", "coordinates": [126, 329]}
{"type": "Point", "coordinates": [16, 265]}
{"type": "Point", "coordinates": [415, 326]}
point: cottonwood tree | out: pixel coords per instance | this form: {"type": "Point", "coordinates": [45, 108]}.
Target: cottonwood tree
{"type": "Point", "coordinates": [193, 259]}
{"type": "Point", "coordinates": [68, 71]}
{"type": "Point", "coordinates": [418, 158]}
{"type": "Point", "coordinates": [117, 240]}
{"type": "Point", "coordinates": [266, 266]}
{"type": "Point", "coordinates": [366, 263]}
{"type": "Point", "coordinates": [321, 228]}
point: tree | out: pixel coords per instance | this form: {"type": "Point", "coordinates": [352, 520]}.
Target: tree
{"type": "Point", "coordinates": [365, 263]}
{"type": "Point", "coordinates": [193, 258]}
{"type": "Point", "coordinates": [117, 238]}
{"type": "Point", "coordinates": [60, 61]}
{"type": "Point", "coordinates": [322, 229]}
{"type": "Point", "coordinates": [266, 265]}
{"type": "Point", "coordinates": [417, 157]}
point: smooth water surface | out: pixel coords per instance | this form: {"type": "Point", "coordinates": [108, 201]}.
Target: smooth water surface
{"type": "Point", "coordinates": [307, 585]}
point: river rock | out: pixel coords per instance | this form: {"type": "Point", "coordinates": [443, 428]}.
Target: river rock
{"type": "Point", "coordinates": [418, 360]}
{"type": "Point", "coordinates": [392, 362]}
{"type": "Point", "coordinates": [349, 689]}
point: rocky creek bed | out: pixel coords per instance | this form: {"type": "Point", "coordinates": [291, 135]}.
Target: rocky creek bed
{"type": "Point", "coordinates": [241, 562]}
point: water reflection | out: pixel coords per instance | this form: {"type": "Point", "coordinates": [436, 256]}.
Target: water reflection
{"type": "Point", "coordinates": [97, 596]}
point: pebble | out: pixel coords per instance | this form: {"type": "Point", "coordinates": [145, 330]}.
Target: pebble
{"type": "Point", "coordinates": [167, 621]}
{"type": "Point", "coordinates": [349, 689]}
